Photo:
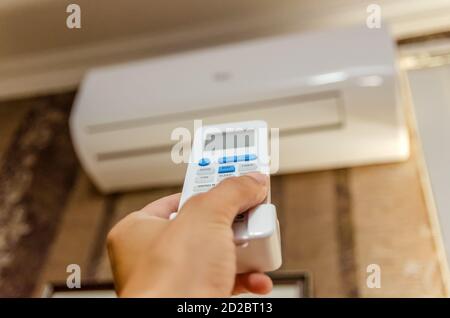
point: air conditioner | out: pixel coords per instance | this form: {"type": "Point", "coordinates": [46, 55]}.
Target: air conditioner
{"type": "Point", "coordinates": [332, 94]}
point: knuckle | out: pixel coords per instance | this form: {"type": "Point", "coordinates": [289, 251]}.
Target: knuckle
{"type": "Point", "coordinates": [243, 187]}
{"type": "Point", "coordinates": [246, 186]}
{"type": "Point", "coordinates": [229, 181]}
{"type": "Point", "coordinates": [255, 187]}
{"type": "Point", "coordinates": [233, 183]}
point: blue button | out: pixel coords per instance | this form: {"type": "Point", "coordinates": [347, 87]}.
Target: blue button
{"type": "Point", "coordinates": [203, 162]}
{"type": "Point", "coordinates": [225, 169]}
{"type": "Point", "coordinates": [247, 157]}
{"type": "Point", "coordinates": [228, 159]}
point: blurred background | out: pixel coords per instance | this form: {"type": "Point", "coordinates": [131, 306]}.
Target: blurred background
{"type": "Point", "coordinates": [335, 220]}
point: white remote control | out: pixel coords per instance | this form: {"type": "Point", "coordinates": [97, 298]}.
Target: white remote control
{"type": "Point", "coordinates": [235, 149]}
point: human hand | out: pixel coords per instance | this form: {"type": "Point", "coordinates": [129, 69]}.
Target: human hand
{"type": "Point", "coordinates": [193, 255]}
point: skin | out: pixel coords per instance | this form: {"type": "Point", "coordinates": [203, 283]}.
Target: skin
{"type": "Point", "coordinates": [191, 256]}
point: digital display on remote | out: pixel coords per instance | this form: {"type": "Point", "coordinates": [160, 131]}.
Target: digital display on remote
{"type": "Point", "coordinates": [230, 140]}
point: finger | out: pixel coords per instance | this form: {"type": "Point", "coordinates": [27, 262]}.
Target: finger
{"type": "Point", "coordinates": [256, 283]}
{"type": "Point", "coordinates": [239, 194]}
{"type": "Point", "coordinates": [163, 207]}
{"type": "Point", "coordinates": [229, 198]}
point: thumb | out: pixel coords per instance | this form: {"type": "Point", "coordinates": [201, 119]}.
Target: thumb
{"type": "Point", "coordinates": [230, 197]}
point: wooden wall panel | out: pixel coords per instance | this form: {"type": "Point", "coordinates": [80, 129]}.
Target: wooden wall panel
{"type": "Point", "coordinates": [392, 230]}
{"type": "Point", "coordinates": [77, 236]}
{"type": "Point", "coordinates": [306, 207]}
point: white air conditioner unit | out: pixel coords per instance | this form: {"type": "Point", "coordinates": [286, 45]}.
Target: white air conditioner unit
{"type": "Point", "coordinates": [332, 94]}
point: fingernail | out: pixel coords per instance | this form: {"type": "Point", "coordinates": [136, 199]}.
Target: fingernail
{"type": "Point", "coordinates": [261, 178]}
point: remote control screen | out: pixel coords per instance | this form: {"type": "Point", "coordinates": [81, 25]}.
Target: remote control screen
{"type": "Point", "coordinates": [230, 140]}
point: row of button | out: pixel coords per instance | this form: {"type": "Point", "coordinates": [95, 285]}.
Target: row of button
{"type": "Point", "coordinates": [220, 177]}
{"type": "Point", "coordinates": [248, 157]}
{"type": "Point", "coordinates": [210, 179]}
{"type": "Point", "coordinates": [204, 182]}
{"type": "Point", "coordinates": [203, 187]}
{"type": "Point", "coordinates": [243, 167]}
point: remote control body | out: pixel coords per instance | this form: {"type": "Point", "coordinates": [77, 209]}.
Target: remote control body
{"type": "Point", "coordinates": [235, 149]}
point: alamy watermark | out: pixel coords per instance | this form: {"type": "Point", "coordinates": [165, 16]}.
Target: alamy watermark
{"type": "Point", "coordinates": [74, 278]}
{"type": "Point", "coordinates": [373, 20]}
{"type": "Point", "coordinates": [373, 279]}
{"type": "Point", "coordinates": [73, 20]}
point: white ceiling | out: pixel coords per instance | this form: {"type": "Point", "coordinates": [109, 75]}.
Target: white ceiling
{"type": "Point", "coordinates": [28, 26]}
{"type": "Point", "coordinates": [38, 53]}
{"type": "Point", "coordinates": [35, 26]}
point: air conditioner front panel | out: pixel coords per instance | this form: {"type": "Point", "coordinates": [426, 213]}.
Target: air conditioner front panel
{"type": "Point", "coordinates": [230, 74]}
{"type": "Point", "coordinates": [335, 105]}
